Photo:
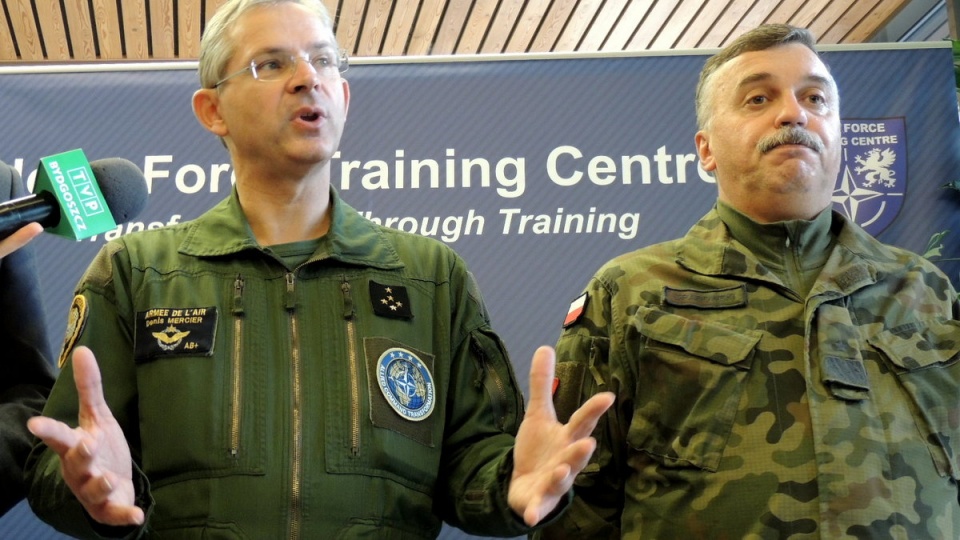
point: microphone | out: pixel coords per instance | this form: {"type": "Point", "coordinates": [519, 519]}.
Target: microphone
{"type": "Point", "coordinates": [76, 199]}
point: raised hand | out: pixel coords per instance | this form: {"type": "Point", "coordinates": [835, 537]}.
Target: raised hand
{"type": "Point", "coordinates": [94, 457]}
{"type": "Point", "coordinates": [548, 455]}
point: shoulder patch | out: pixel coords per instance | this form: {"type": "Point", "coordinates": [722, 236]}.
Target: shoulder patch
{"type": "Point", "coordinates": [406, 383]}
{"type": "Point", "coordinates": [76, 320]}
{"type": "Point", "coordinates": [575, 310]}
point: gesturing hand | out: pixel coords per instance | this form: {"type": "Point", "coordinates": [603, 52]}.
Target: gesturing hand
{"type": "Point", "coordinates": [548, 455]}
{"type": "Point", "coordinates": [94, 457]}
{"type": "Point", "coordinates": [19, 238]}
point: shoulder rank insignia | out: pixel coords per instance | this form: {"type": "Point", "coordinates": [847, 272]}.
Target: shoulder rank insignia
{"type": "Point", "coordinates": [390, 301]}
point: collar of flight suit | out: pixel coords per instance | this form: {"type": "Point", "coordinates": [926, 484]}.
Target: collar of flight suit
{"type": "Point", "coordinates": [224, 230]}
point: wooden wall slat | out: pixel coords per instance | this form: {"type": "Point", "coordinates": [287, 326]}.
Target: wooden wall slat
{"type": "Point", "coordinates": [476, 25]}
{"type": "Point", "coordinates": [81, 30]}
{"type": "Point", "coordinates": [604, 21]}
{"type": "Point", "coordinates": [54, 31]}
{"type": "Point", "coordinates": [189, 28]}
{"type": "Point", "coordinates": [805, 16]}
{"type": "Point", "coordinates": [702, 24]}
{"type": "Point", "coordinates": [161, 29]}
{"type": "Point", "coordinates": [374, 27]}
{"type": "Point", "coordinates": [349, 20]}
{"type": "Point", "coordinates": [878, 17]}
{"type": "Point", "coordinates": [652, 25]}
{"type": "Point", "coordinates": [135, 32]}
{"type": "Point", "coordinates": [629, 24]}
{"type": "Point", "coordinates": [681, 19]}
{"type": "Point", "coordinates": [25, 30]}
{"type": "Point", "coordinates": [108, 29]}
{"type": "Point", "coordinates": [757, 15]}
{"type": "Point", "coordinates": [720, 33]}
{"type": "Point", "coordinates": [451, 26]}
{"type": "Point", "coordinates": [8, 51]}
{"type": "Point", "coordinates": [555, 21]}
{"type": "Point", "coordinates": [526, 29]}
{"type": "Point", "coordinates": [421, 42]}
{"type": "Point", "coordinates": [504, 24]}
{"type": "Point", "coordinates": [401, 28]}
{"type": "Point", "coordinates": [846, 22]}
{"type": "Point", "coordinates": [577, 25]}
{"type": "Point", "coordinates": [785, 11]}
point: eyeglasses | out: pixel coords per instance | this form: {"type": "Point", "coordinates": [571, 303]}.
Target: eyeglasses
{"type": "Point", "coordinates": [281, 65]}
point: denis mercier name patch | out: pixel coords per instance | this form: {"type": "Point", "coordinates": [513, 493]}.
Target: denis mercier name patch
{"type": "Point", "coordinates": [175, 332]}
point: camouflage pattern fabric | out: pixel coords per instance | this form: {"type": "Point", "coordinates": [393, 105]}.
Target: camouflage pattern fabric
{"type": "Point", "coordinates": [746, 410]}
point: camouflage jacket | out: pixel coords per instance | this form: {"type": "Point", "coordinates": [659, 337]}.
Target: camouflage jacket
{"type": "Point", "coordinates": [747, 410]}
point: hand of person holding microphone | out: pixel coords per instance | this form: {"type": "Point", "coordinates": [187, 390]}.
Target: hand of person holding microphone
{"type": "Point", "coordinates": [20, 238]}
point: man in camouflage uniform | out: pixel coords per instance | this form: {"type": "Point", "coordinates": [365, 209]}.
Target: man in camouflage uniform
{"type": "Point", "coordinates": [778, 372]}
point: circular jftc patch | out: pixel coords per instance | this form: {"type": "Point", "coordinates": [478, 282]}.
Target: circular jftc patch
{"type": "Point", "coordinates": [406, 383]}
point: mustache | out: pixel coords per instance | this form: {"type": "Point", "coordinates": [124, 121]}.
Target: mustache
{"type": "Point", "coordinates": [791, 135]}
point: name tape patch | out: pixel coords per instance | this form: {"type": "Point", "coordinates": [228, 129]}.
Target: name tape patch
{"type": "Point", "coordinates": [175, 331]}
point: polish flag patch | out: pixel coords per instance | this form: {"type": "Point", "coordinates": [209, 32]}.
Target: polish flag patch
{"type": "Point", "coordinates": [575, 310]}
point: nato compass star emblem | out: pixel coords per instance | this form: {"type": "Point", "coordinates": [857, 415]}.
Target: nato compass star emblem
{"type": "Point", "coordinates": [406, 384]}
{"type": "Point", "coordinates": [873, 172]}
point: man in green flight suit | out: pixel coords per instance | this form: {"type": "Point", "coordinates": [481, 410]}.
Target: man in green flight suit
{"type": "Point", "coordinates": [281, 367]}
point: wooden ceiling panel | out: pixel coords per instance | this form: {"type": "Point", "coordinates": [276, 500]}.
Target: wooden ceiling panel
{"type": "Point", "coordinates": [53, 30]}
{"type": "Point", "coordinates": [25, 33]}
{"type": "Point", "coordinates": [475, 26]}
{"type": "Point", "coordinates": [508, 15]}
{"type": "Point", "coordinates": [58, 31]}
{"type": "Point", "coordinates": [530, 21]}
{"type": "Point", "coordinates": [374, 27]}
{"type": "Point", "coordinates": [80, 24]}
{"type": "Point", "coordinates": [578, 25]}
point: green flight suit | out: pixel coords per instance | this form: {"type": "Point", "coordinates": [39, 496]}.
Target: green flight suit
{"type": "Point", "coordinates": [360, 394]}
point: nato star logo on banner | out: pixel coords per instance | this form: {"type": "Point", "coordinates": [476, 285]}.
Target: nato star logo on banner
{"type": "Point", "coordinates": [390, 301]}
{"type": "Point", "coordinates": [873, 173]}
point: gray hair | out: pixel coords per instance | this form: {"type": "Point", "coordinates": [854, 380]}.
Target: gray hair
{"type": "Point", "coordinates": [216, 48]}
{"type": "Point", "coordinates": [761, 38]}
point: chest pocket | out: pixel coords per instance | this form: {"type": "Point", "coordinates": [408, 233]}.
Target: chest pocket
{"type": "Point", "coordinates": [924, 357]}
{"type": "Point", "coordinates": [690, 380]}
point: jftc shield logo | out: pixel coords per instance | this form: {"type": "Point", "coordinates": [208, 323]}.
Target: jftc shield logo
{"type": "Point", "coordinates": [873, 173]}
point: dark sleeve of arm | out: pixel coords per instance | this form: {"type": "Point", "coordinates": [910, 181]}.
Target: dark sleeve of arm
{"type": "Point", "coordinates": [484, 412]}
{"type": "Point", "coordinates": [26, 374]}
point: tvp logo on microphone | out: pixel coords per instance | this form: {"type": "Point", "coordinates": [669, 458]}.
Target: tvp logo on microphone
{"type": "Point", "coordinates": [68, 178]}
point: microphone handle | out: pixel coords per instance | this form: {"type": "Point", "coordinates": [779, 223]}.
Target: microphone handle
{"type": "Point", "coordinates": [41, 208]}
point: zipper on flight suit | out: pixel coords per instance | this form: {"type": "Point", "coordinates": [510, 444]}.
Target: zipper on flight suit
{"type": "Point", "coordinates": [296, 510]}
{"type": "Point", "coordinates": [236, 379]}
{"type": "Point", "coordinates": [348, 313]}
